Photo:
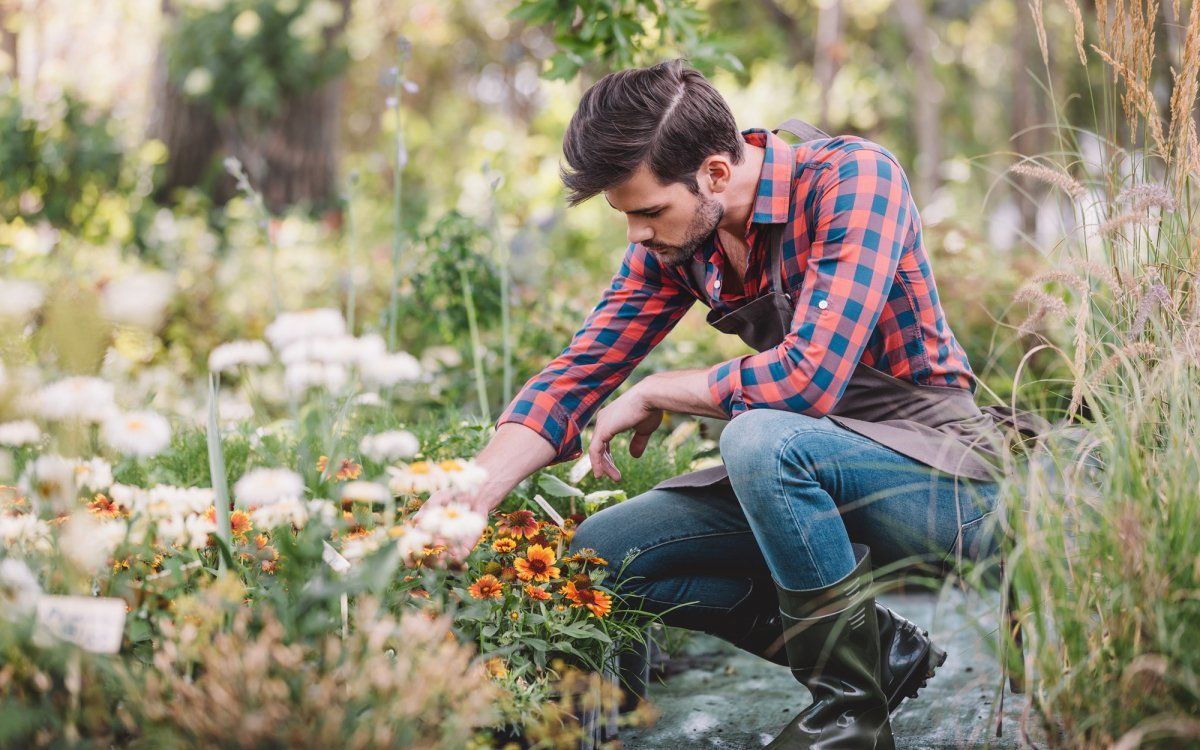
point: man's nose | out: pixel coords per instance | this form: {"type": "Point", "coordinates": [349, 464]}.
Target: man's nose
{"type": "Point", "coordinates": [639, 232]}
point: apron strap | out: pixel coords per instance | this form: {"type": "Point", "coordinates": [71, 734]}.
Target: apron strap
{"type": "Point", "coordinates": [801, 129]}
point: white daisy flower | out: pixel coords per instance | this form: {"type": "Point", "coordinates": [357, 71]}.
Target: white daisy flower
{"type": "Point", "coordinates": [301, 376]}
{"type": "Point", "coordinates": [366, 492]}
{"type": "Point", "coordinates": [453, 522]}
{"type": "Point", "coordinates": [140, 299]}
{"type": "Point", "coordinates": [83, 398]}
{"type": "Point", "coordinates": [19, 589]}
{"type": "Point", "coordinates": [287, 512]}
{"type": "Point", "coordinates": [389, 446]}
{"type": "Point", "coordinates": [19, 433]}
{"type": "Point", "coordinates": [19, 299]}
{"type": "Point", "coordinates": [411, 541]}
{"type": "Point", "coordinates": [361, 546]}
{"type": "Point", "coordinates": [186, 532]}
{"type": "Point", "coordinates": [389, 369]}
{"type": "Point", "coordinates": [95, 474]}
{"type": "Point", "coordinates": [264, 486]}
{"type": "Point", "coordinates": [463, 475]}
{"type": "Point", "coordinates": [323, 511]}
{"type": "Point", "coordinates": [367, 398]}
{"type": "Point", "coordinates": [305, 324]}
{"type": "Point", "coordinates": [419, 477]}
{"type": "Point", "coordinates": [138, 433]}
{"type": "Point", "coordinates": [89, 543]}
{"type": "Point", "coordinates": [235, 354]}
{"type": "Point", "coordinates": [162, 500]}
{"type": "Point", "coordinates": [50, 480]}
{"type": "Point", "coordinates": [24, 532]}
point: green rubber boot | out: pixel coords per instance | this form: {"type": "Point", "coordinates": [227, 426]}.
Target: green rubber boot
{"type": "Point", "coordinates": [831, 636]}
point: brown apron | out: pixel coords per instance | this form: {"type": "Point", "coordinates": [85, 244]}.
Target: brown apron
{"type": "Point", "coordinates": [939, 426]}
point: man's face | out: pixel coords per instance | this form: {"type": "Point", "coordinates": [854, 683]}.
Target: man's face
{"type": "Point", "coordinates": [668, 220]}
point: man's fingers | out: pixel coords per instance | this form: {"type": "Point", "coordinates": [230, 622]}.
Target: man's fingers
{"type": "Point", "coordinates": [637, 446]}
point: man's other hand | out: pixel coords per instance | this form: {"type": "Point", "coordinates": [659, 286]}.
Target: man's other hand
{"type": "Point", "coordinates": [629, 412]}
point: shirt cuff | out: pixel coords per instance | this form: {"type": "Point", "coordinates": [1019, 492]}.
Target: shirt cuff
{"type": "Point", "coordinates": [556, 427]}
{"type": "Point", "coordinates": [725, 386]}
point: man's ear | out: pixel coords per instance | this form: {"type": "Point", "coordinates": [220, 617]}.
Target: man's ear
{"type": "Point", "coordinates": [716, 172]}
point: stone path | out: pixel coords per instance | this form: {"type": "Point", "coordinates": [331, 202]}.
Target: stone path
{"type": "Point", "coordinates": [730, 700]}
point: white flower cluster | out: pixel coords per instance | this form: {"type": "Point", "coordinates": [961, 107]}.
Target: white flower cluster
{"type": "Point", "coordinates": [19, 433]}
{"type": "Point", "coordinates": [138, 433]}
{"type": "Point", "coordinates": [385, 447]}
{"type": "Point", "coordinates": [276, 498]}
{"type": "Point", "coordinates": [25, 533]}
{"type": "Point", "coordinates": [139, 299]}
{"type": "Point", "coordinates": [453, 523]}
{"type": "Point", "coordinates": [19, 300]}
{"type": "Point", "coordinates": [365, 492]}
{"type": "Point", "coordinates": [426, 476]}
{"type": "Point", "coordinates": [89, 543]}
{"type": "Point", "coordinates": [76, 398]}
{"type": "Point", "coordinates": [162, 501]}
{"type": "Point", "coordinates": [51, 481]}
{"type": "Point", "coordinates": [19, 589]}
{"type": "Point", "coordinates": [235, 354]}
{"type": "Point", "coordinates": [94, 474]}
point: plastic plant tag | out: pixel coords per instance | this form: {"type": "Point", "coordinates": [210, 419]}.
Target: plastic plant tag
{"type": "Point", "coordinates": [91, 623]}
{"type": "Point", "coordinates": [545, 506]}
{"type": "Point", "coordinates": [333, 558]}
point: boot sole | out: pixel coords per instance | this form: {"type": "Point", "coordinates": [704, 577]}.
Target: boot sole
{"type": "Point", "coordinates": [920, 675]}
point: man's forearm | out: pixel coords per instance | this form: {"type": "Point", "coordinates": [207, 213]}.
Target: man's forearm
{"type": "Point", "coordinates": [513, 453]}
{"type": "Point", "coordinates": [681, 392]}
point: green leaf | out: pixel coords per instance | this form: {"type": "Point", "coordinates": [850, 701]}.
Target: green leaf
{"type": "Point", "coordinates": [556, 487]}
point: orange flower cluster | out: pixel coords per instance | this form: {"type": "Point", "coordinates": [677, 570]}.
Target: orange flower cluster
{"type": "Point", "coordinates": [348, 470]}
{"type": "Point", "coordinates": [524, 550]}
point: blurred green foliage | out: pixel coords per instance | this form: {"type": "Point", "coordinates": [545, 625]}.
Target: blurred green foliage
{"type": "Point", "coordinates": [63, 163]}
{"type": "Point", "coordinates": [249, 56]}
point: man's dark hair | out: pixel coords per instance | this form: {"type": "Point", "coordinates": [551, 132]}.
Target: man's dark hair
{"type": "Point", "coordinates": [667, 116]}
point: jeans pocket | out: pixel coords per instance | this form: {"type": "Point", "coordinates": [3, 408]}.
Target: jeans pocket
{"type": "Point", "coordinates": [977, 540]}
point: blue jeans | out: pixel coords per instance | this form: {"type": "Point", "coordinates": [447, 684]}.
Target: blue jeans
{"type": "Point", "coordinates": [800, 490]}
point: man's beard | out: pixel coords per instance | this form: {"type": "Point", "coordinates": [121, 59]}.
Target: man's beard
{"type": "Point", "coordinates": [704, 222]}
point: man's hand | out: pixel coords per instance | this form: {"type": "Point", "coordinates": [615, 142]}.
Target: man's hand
{"type": "Point", "coordinates": [456, 550]}
{"type": "Point", "coordinates": [630, 411]}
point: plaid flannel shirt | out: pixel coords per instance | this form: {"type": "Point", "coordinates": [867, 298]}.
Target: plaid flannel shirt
{"type": "Point", "coordinates": [853, 260]}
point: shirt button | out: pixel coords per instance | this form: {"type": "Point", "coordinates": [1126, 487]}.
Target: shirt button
{"type": "Point", "coordinates": [717, 284]}
{"type": "Point", "coordinates": [823, 304]}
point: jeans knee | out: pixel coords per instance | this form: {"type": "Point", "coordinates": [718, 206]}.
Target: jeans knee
{"type": "Point", "coordinates": [606, 538]}
{"type": "Point", "coordinates": [746, 437]}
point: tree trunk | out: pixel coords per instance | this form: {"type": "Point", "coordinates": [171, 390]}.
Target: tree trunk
{"type": "Point", "coordinates": [828, 56]}
{"type": "Point", "coordinates": [1025, 119]}
{"type": "Point", "coordinates": [291, 159]}
{"type": "Point", "coordinates": [926, 98]}
{"type": "Point", "coordinates": [189, 132]}
{"type": "Point", "coordinates": [8, 41]}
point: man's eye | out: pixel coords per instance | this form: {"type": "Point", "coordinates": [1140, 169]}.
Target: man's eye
{"type": "Point", "coordinates": [651, 216]}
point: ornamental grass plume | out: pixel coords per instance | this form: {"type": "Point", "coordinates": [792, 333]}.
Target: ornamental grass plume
{"type": "Point", "coordinates": [390, 682]}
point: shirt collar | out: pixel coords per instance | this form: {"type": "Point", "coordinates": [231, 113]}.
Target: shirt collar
{"type": "Point", "coordinates": [772, 201]}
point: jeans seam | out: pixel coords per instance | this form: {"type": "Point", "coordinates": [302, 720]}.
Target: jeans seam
{"type": "Point", "coordinates": [791, 510]}
{"type": "Point", "coordinates": [673, 540]}
{"type": "Point", "coordinates": [725, 610]}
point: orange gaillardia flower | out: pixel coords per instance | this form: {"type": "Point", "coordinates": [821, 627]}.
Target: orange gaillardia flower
{"type": "Point", "coordinates": [597, 602]}
{"type": "Point", "coordinates": [487, 587]}
{"type": "Point", "coordinates": [104, 507]}
{"type": "Point", "coordinates": [537, 565]}
{"type": "Point", "coordinates": [537, 593]}
{"type": "Point", "coordinates": [518, 524]}
{"type": "Point", "coordinates": [504, 546]}
{"type": "Point", "coordinates": [496, 668]}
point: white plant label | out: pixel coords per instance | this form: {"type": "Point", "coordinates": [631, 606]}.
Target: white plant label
{"type": "Point", "coordinates": [91, 623]}
{"type": "Point", "coordinates": [545, 506]}
{"type": "Point", "coordinates": [334, 559]}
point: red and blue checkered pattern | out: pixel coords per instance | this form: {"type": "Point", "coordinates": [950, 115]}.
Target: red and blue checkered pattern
{"type": "Point", "coordinates": [853, 260]}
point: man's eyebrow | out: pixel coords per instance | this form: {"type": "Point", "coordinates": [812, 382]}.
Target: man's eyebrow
{"type": "Point", "coordinates": [638, 211]}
